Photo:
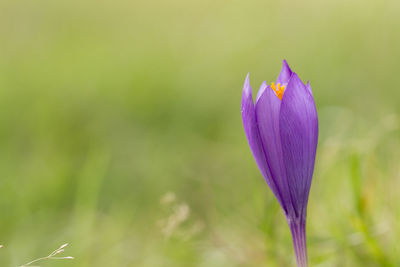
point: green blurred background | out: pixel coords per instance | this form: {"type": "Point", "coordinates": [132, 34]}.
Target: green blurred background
{"type": "Point", "coordinates": [121, 132]}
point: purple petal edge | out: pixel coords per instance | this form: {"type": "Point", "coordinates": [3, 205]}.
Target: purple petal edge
{"type": "Point", "coordinates": [308, 86]}
{"type": "Point", "coordinates": [261, 91]}
{"type": "Point", "coordinates": [285, 73]}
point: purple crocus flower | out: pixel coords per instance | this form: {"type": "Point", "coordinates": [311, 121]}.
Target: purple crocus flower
{"type": "Point", "coordinates": [282, 131]}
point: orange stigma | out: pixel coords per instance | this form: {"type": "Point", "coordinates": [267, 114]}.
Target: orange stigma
{"type": "Point", "coordinates": [278, 89]}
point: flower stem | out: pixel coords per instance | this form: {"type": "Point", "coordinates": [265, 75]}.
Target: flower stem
{"type": "Point", "coordinates": [298, 229]}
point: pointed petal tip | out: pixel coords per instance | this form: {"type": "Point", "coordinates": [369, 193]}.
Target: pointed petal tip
{"type": "Point", "coordinates": [247, 80]}
{"type": "Point", "coordinates": [285, 64]}
{"type": "Point", "coordinates": [296, 81]}
{"type": "Point", "coordinates": [308, 86]}
{"type": "Point", "coordinates": [246, 86]}
{"type": "Point", "coordinates": [285, 73]}
{"type": "Point", "coordinates": [263, 85]}
{"type": "Point", "coordinates": [247, 95]}
{"type": "Point", "coordinates": [262, 89]}
{"type": "Point", "coordinates": [296, 78]}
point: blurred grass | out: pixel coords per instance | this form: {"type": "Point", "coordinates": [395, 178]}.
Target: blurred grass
{"type": "Point", "coordinates": [108, 105]}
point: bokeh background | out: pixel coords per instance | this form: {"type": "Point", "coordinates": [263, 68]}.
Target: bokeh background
{"type": "Point", "coordinates": [121, 132]}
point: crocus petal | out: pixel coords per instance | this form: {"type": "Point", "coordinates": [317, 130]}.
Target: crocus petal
{"type": "Point", "coordinates": [261, 91]}
{"type": "Point", "coordinates": [308, 86]}
{"type": "Point", "coordinates": [253, 136]}
{"type": "Point", "coordinates": [285, 74]}
{"type": "Point", "coordinates": [267, 117]}
{"type": "Point", "coordinates": [298, 125]}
